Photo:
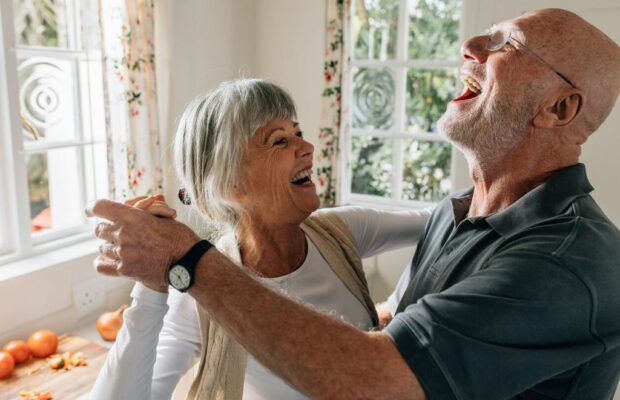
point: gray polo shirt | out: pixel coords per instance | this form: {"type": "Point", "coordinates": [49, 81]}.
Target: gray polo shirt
{"type": "Point", "coordinates": [521, 304]}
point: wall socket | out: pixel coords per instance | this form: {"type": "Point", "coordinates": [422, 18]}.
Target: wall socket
{"type": "Point", "coordinates": [89, 297]}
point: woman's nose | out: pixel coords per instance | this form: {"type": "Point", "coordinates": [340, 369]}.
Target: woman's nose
{"type": "Point", "coordinates": [475, 49]}
{"type": "Point", "coordinates": [305, 148]}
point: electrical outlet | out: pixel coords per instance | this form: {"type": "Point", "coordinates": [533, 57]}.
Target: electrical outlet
{"type": "Point", "coordinates": [89, 297]}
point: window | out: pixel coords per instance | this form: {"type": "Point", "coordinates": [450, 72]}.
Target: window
{"type": "Point", "coordinates": [405, 59]}
{"type": "Point", "coordinates": [52, 132]}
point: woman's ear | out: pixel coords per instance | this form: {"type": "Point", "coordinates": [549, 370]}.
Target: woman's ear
{"type": "Point", "coordinates": [560, 113]}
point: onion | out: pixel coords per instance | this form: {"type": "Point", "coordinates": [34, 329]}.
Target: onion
{"type": "Point", "coordinates": [110, 323]}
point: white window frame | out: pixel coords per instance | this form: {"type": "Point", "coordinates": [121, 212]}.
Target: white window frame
{"type": "Point", "coordinates": [397, 133]}
{"type": "Point", "coordinates": [17, 240]}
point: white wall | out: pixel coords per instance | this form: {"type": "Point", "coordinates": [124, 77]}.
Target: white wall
{"type": "Point", "coordinates": [208, 42]}
{"type": "Point", "coordinates": [289, 40]}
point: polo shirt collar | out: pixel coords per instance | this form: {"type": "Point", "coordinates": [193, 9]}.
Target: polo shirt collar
{"type": "Point", "coordinates": [547, 200]}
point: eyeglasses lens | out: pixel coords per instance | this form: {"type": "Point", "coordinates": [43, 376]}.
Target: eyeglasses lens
{"type": "Point", "coordinates": [497, 40]}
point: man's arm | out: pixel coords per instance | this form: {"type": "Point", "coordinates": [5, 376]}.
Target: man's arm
{"type": "Point", "coordinates": [319, 355]}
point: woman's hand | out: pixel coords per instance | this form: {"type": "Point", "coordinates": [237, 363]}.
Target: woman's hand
{"type": "Point", "coordinates": [157, 206]}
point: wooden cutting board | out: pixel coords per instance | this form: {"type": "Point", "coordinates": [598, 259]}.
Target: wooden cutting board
{"type": "Point", "coordinates": [63, 385]}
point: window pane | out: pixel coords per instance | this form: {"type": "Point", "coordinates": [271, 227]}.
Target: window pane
{"type": "Point", "coordinates": [371, 166]}
{"type": "Point", "coordinates": [373, 98]}
{"type": "Point", "coordinates": [54, 189]}
{"type": "Point", "coordinates": [47, 98]}
{"type": "Point", "coordinates": [434, 29]}
{"type": "Point", "coordinates": [428, 93]}
{"type": "Point", "coordinates": [92, 104]}
{"type": "Point", "coordinates": [375, 26]}
{"type": "Point", "coordinates": [89, 18]}
{"type": "Point", "coordinates": [39, 192]}
{"type": "Point", "coordinates": [426, 170]}
{"type": "Point", "coordinates": [96, 171]}
{"type": "Point", "coordinates": [41, 22]}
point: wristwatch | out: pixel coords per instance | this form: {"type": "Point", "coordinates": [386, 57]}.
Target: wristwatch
{"type": "Point", "coordinates": [181, 273]}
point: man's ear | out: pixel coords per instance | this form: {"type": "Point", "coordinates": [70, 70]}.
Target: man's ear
{"type": "Point", "coordinates": [560, 113]}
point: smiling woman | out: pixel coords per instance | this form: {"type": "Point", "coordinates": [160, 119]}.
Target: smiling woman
{"type": "Point", "coordinates": [244, 163]}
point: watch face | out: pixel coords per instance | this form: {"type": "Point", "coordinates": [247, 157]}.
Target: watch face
{"type": "Point", "coordinates": [179, 277]}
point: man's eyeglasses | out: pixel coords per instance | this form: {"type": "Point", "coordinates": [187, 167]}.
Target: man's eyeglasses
{"type": "Point", "coordinates": [498, 38]}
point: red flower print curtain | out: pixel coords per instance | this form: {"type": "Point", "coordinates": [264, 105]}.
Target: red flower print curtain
{"type": "Point", "coordinates": [134, 153]}
{"type": "Point", "coordinates": [334, 122]}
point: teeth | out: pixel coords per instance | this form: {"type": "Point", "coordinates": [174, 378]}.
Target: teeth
{"type": "Point", "coordinates": [301, 175]}
{"type": "Point", "coordinates": [472, 84]}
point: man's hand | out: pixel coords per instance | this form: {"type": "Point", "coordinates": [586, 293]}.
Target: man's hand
{"type": "Point", "coordinates": [138, 245]}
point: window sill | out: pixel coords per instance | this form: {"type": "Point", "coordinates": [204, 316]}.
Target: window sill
{"type": "Point", "coordinates": [47, 256]}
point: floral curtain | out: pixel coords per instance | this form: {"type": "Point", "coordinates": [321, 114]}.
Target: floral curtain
{"type": "Point", "coordinates": [334, 121]}
{"type": "Point", "coordinates": [134, 153]}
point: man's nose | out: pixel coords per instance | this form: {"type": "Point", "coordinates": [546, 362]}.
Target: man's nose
{"type": "Point", "coordinates": [475, 49]}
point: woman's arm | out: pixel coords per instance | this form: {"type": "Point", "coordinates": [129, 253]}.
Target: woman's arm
{"type": "Point", "coordinates": [377, 231]}
{"type": "Point", "coordinates": [179, 345]}
{"type": "Point", "coordinates": [128, 372]}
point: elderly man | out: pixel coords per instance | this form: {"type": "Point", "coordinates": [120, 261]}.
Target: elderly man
{"type": "Point", "coordinates": [512, 292]}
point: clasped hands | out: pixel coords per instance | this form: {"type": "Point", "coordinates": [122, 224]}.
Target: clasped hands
{"type": "Point", "coordinates": [142, 239]}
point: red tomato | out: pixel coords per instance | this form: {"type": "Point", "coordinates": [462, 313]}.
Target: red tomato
{"type": "Point", "coordinates": [43, 343]}
{"type": "Point", "coordinates": [7, 364]}
{"type": "Point", "coordinates": [19, 350]}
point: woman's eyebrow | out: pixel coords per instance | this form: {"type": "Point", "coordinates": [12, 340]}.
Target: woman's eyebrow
{"type": "Point", "coordinates": [271, 132]}
{"type": "Point", "coordinates": [279, 128]}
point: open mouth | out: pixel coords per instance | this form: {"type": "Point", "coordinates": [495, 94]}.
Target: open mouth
{"type": "Point", "coordinates": [302, 177]}
{"type": "Point", "coordinates": [472, 89]}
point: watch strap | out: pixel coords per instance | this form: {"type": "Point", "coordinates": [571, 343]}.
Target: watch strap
{"type": "Point", "coordinates": [191, 258]}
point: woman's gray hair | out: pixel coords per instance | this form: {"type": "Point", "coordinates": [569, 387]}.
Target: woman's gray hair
{"type": "Point", "coordinates": [212, 136]}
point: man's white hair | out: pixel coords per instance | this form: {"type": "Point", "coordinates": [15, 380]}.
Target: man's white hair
{"type": "Point", "coordinates": [211, 140]}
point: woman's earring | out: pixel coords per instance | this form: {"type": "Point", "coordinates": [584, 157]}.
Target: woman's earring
{"type": "Point", "coordinates": [184, 197]}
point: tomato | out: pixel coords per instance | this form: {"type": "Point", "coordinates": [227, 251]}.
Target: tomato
{"type": "Point", "coordinates": [19, 350]}
{"type": "Point", "coordinates": [43, 343]}
{"type": "Point", "coordinates": [7, 364]}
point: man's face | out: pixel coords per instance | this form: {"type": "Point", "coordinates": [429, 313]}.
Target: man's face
{"type": "Point", "coordinates": [501, 95]}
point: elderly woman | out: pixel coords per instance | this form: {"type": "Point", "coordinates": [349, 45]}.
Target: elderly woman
{"type": "Point", "coordinates": [245, 165]}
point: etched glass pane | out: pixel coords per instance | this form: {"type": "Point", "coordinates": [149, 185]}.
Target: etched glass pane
{"type": "Point", "coordinates": [54, 189]}
{"type": "Point", "coordinates": [375, 26]}
{"type": "Point", "coordinates": [373, 98]}
{"type": "Point", "coordinates": [426, 170]}
{"type": "Point", "coordinates": [428, 93]}
{"type": "Point", "coordinates": [47, 99]}
{"type": "Point", "coordinates": [41, 23]}
{"type": "Point", "coordinates": [371, 166]}
{"type": "Point", "coordinates": [434, 29]}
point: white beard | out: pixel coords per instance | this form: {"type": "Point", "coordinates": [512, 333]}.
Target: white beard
{"type": "Point", "coordinates": [490, 132]}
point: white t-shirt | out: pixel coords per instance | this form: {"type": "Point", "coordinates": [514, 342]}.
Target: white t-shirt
{"type": "Point", "coordinates": [160, 339]}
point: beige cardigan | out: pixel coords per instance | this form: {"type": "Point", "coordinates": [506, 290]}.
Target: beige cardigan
{"type": "Point", "coordinates": [221, 372]}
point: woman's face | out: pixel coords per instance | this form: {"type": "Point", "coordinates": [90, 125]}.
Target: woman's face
{"type": "Point", "coordinates": [276, 183]}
